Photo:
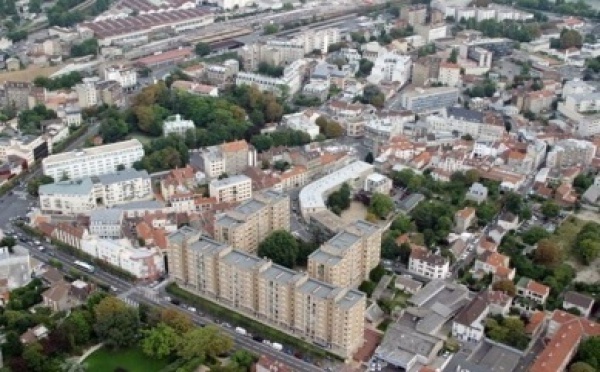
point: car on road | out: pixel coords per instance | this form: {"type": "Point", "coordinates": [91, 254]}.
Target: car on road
{"type": "Point", "coordinates": [41, 247]}
{"type": "Point", "coordinates": [113, 288]}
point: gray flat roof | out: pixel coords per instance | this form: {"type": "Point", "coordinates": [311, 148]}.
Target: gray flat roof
{"type": "Point", "coordinates": [324, 257]}
{"type": "Point", "coordinates": [142, 204]}
{"type": "Point", "coordinates": [226, 221]}
{"type": "Point", "coordinates": [121, 176]}
{"type": "Point", "coordinates": [230, 180]}
{"type": "Point", "coordinates": [311, 196]}
{"type": "Point", "coordinates": [249, 207]}
{"type": "Point", "coordinates": [77, 187]}
{"type": "Point", "coordinates": [106, 215]}
{"type": "Point", "coordinates": [242, 260]}
{"type": "Point", "coordinates": [342, 241]}
{"type": "Point", "coordinates": [91, 151]}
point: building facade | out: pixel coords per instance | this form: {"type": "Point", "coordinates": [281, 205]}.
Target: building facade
{"type": "Point", "coordinates": [93, 161]}
{"type": "Point", "coordinates": [247, 225]}
{"type": "Point", "coordinates": [231, 189]}
{"type": "Point", "coordinates": [326, 315]}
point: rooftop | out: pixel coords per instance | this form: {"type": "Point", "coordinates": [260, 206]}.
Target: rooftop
{"type": "Point", "coordinates": [94, 151]}
{"type": "Point", "coordinates": [311, 196]}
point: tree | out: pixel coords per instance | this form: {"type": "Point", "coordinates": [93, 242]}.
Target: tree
{"type": "Point", "coordinates": [588, 250]}
{"type": "Point", "coordinates": [34, 357]}
{"type": "Point", "coordinates": [550, 209]}
{"type": "Point", "coordinates": [364, 68]}
{"type": "Point", "coordinates": [339, 200]}
{"type": "Point", "coordinates": [281, 247]}
{"type": "Point", "coordinates": [570, 39]}
{"type": "Point", "coordinates": [486, 212]}
{"type": "Point", "coordinates": [507, 286]}
{"type": "Point", "coordinates": [270, 29]}
{"type": "Point", "coordinates": [177, 320]}
{"type": "Point", "coordinates": [381, 205]}
{"type": "Point", "coordinates": [12, 346]}
{"type": "Point", "coordinates": [369, 158]}
{"type": "Point", "coordinates": [204, 342]}
{"type": "Point", "coordinates": [589, 352]}
{"type": "Point", "coordinates": [77, 327]}
{"type": "Point", "coordinates": [116, 324]}
{"type": "Point", "coordinates": [377, 273]}
{"type": "Point", "coordinates": [402, 224]}
{"type": "Point", "coordinates": [534, 235]}
{"type": "Point", "coordinates": [373, 95]}
{"type": "Point", "coordinates": [243, 358]}
{"type": "Point", "coordinates": [547, 253]}
{"type": "Point", "coordinates": [581, 367]}
{"type": "Point", "coordinates": [202, 49]}
{"type": "Point", "coordinates": [160, 341]}
{"type": "Point", "coordinates": [513, 202]}
{"type": "Point", "coordinates": [453, 56]}
{"type": "Point", "coordinates": [85, 48]}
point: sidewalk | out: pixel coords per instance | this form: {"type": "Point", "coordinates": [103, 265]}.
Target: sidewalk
{"type": "Point", "coordinates": [89, 352]}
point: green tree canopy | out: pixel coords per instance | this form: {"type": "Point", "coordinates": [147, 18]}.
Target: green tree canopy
{"type": "Point", "coordinates": [160, 341]}
{"type": "Point", "coordinates": [381, 205]}
{"type": "Point", "coordinates": [281, 247]}
{"type": "Point", "coordinates": [116, 324]}
{"type": "Point", "coordinates": [550, 209]}
{"type": "Point", "coordinates": [204, 342]}
{"type": "Point", "coordinates": [202, 49]}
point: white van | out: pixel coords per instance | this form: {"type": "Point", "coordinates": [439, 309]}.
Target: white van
{"type": "Point", "coordinates": [277, 346]}
{"type": "Point", "coordinates": [241, 331]}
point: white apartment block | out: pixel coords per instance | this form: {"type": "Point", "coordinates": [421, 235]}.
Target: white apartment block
{"type": "Point", "coordinates": [231, 4]}
{"type": "Point", "coordinates": [592, 50]}
{"type": "Point", "coordinates": [106, 223]}
{"type": "Point", "coordinates": [291, 79]}
{"type": "Point", "coordinates": [143, 263]}
{"type": "Point", "coordinates": [303, 121]}
{"type": "Point", "coordinates": [318, 39]}
{"type": "Point", "coordinates": [231, 189]}
{"type": "Point", "coordinates": [273, 52]}
{"type": "Point", "coordinates": [391, 67]}
{"type": "Point", "coordinates": [571, 152]}
{"type": "Point", "coordinates": [93, 161]}
{"type": "Point", "coordinates": [176, 125]}
{"type": "Point", "coordinates": [379, 130]}
{"type": "Point", "coordinates": [425, 263]}
{"type": "Point", "coordinates": [422, 100]}
{"type": "Point", "coordinates": [126, 77]}
{"type": "Point", "coordinates": [466, 121]}
{"type": "Point", "coordinates": [449, 74]}
{"type": "Point", "coordinates": [379, 183]}
{"type": "Point", "coordinates": [81, 196]}
{"type": "Point", "coordinates": [30, 148]}
{"type": "Point", "coordinates": [312, 196]}
{"type": "Point", "coordinates": [329, 316]}
{"type": "Point", "coordinates": [248, 224]}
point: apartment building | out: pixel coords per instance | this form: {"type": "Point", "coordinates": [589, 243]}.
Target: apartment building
{"type": "Point", "coordinates": [93, 161]}
{"type": "Point", "coordinates": [425, 100]}
{"type": "Point", "coordinates": [531, 290]}
{"type": "Point", "coordinates": [247, 225]}
{"type": "Point", "coordinates": [106, 223]}
{"type": "Point", "coordinates": [381, 128]}
{"type": "Point", "coordinates": [16, 94]}
{"type": "Point", "coordinates": [311, 197]}
{"type": "Point", "coordinates": [291, 79]}
{"type": "Point", "coordinates": [143, 263]}
{"type": "Point", "coordinates": [222, 74]}
{"type": "Point", "coordinates": [231, 158]}
{"type": "Point", "coordinates": [449, 74]}
{"type": "Point", "coordinates": [231, 189]}
{"type": "Point", "coordinates": [29, 148]}
{"type": "Point", "coordinates": [87, 94]}
{"type": "Point", "coordinates": [571, 152]}
{"type": "Point", "coordinates": [178, 126]}
{"type": "Point", "coordinates": [425, 70]}
{"type": "Point", "coordinates": [480, 125]}
{"type": "Point", "coordinates": [326, 315]}
{"type": "Point", "coordinates": [273, 52]}
{"type": "Point", "coordinates": [391, 67]}
{"type": "Point", "coordinates": [347, 259]}
{"type": "Point", "coordinates": [125, 76]}
{"type": "Point", "coordinates": [312, 40]}
{"type": "Point", "coordinates": [378, 183]}
{"type": "Point", "coordinates": [428, 264]}
{"type": "Point", "coordinates": [414, 14]}
{"type": "Point", "coordinates": [73, 197]}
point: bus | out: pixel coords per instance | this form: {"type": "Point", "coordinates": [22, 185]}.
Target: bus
{"type": "Point", "coordinates": [85, 266]}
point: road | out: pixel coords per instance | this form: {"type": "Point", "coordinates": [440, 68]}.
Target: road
{"type": "Point", "coordinates": [137, 294]}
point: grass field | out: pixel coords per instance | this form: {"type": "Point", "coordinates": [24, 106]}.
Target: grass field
{"type": "Point", "coordinates": [132, 360]}
{"type": "Point", "coordinates": [567, 232]}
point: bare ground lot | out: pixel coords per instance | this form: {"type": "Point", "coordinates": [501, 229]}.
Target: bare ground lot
{"type": "Point", "coordinates": [357, 211]}
{"type": "Point", "coordinates": [28, 74]}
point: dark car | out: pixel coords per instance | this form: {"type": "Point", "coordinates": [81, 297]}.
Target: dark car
{"type": "Point", "coordinates": [258, 339]}
{"type": "Point", "coordinates": [175, 301]}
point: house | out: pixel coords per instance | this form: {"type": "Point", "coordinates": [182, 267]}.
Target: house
{"type": "Point", "coordinates": [463, 219]}
{"type": "Point", "coordinates": [407, 284]}
{"type": "Point", "coordinates": [497, 233]}
{"type": "Point", "coordinates": [428, 264]}
{"type": "Point", "coordinates": [581, 302]}
{"type": "Point", "coordinates": [57, 297]}
{"type": "Point", "coordinates": [493, 263]}
{"type": "Point", "coordinates": [34, 334]}
{"type": "Point", "coordinates": [477, 193]}
{"type": "Point", "coordinates": [508, 221]}
{"type": "Point", "coordinates": [52, 276]}
{"type": "Point", "coordinates": [469, 323]}
{"type": "Point", "coordinates": [532, 290]}
{"type": "Point", "coordinates": [564, 334]}
{"type": "Point", "coordinates": [486, 245]}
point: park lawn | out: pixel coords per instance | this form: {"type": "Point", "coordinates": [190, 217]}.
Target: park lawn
{"type": "Point", "coordinates": [143, 138]}
{"type": "Point", "coordinates": [132, 360]}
